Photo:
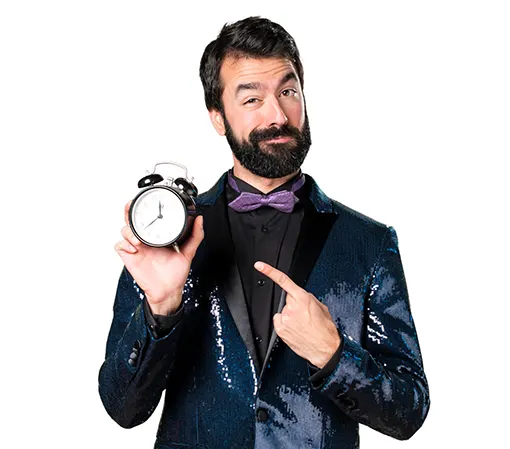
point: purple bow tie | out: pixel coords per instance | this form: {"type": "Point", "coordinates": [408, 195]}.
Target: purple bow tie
{"type": "Point", "coordinates": [283, 200]}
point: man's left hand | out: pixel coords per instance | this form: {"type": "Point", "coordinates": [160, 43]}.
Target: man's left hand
{"type": "Point", "coordinates": [304, 324]}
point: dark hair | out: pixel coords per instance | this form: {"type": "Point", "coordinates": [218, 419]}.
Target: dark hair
{"type": "Point", "coordinates": [252, 37]}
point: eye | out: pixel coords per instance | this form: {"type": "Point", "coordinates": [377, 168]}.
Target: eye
{"type": "Point", "coordinates": [289, 92]}
{"type": "Point", "coordinates": [251, 101]}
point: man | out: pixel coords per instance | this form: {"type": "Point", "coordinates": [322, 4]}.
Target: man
{"type": "Point", "coordinates": [289, 322]}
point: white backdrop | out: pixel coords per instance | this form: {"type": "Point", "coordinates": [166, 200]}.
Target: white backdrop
{"type": "Point", "coordinates": [409, 112]}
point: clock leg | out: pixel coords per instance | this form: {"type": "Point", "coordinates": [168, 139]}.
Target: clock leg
{"type": "Point", "coordinates": [176, 247]}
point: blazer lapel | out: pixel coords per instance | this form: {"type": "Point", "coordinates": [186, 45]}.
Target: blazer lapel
{"type": "Point", "coordinates": [315, 229]}
{"type": "Point", "coordinates": [226, 274]}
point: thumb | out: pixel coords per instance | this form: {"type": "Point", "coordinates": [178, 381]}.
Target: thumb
{"type": "Point", "coordinates": [277, 323]}
{"type": "Point", "coordinates": [189, 248]}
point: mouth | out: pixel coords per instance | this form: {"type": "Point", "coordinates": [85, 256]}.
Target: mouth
{"type": "Point", "coordinates": [281, 139]}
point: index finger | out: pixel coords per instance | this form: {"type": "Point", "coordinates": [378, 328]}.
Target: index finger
{"type": "Point", "coordinates": [280, 278]}
{"type": "Point", "coordinates": [126, 211]}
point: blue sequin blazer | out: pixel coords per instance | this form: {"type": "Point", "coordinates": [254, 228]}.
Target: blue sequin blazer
{"type": "Point", "coordinates": [219, 396]}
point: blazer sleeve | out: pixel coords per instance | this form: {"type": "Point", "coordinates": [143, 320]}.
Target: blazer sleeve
{"type": "Point", "coordinates": [137, 365]}
{"type": "Point", "coordinates": [382, 383]}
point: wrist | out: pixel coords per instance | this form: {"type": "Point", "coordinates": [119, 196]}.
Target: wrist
{"type": "Point", "coordinates": [166, 307]}
{"type": "Point", "coordinates": [327, 354]}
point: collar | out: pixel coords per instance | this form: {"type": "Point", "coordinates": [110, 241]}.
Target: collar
{"type": "Point", "coordinates": [321, 202]}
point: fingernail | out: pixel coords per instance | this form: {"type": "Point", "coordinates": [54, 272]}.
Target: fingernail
{"type": "Point", "coordinates": [132, 248]}
{"type": "Point", "coordinates": [259, 265]}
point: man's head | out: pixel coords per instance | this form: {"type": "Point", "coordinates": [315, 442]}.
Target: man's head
{"type": "Point", "coordinates": [253, 85]}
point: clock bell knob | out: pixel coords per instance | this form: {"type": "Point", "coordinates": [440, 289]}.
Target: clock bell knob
{"type": "Point", "coordinates": [150, 180]}
{"type": "Point", "coordinates": [186, 186]}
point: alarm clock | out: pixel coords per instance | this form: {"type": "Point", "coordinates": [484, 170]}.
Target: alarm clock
{"type": "Point", "coordinates": [162, 213]}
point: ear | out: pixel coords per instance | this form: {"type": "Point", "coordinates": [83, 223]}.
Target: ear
{"type": "Point", "coordinates": [217, 121]}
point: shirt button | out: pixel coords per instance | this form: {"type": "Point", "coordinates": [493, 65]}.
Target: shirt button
{"type": "Point", "coordinates": [258, 339]}
{"type": "Point", "coordinates": [261, 282]}
{"type": "Point", "coordinates": [264, 229]}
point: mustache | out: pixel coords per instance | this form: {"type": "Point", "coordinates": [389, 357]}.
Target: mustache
{"type": "Point", "coordinates": [258, 135]}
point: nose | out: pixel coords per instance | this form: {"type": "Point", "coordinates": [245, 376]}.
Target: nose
{"type": "Point", "coordinates": [275, 116]}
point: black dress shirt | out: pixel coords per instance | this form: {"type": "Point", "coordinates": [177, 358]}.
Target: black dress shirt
{"type": "Point", "coordinates": [270, 236]}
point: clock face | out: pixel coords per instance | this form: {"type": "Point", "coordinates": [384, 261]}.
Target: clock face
{"type": "Point", "coordinates": [158, 216]}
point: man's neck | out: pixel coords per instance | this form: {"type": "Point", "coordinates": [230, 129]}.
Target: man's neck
{"type": "Point", "coordinates": [265, 185]}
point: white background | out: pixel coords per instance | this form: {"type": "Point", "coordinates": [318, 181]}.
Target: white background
{"type": "Point", "coordinates": [409, 112]}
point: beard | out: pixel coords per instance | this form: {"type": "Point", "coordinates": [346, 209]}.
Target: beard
{"type": "Point", "coordinates": [271, 160]}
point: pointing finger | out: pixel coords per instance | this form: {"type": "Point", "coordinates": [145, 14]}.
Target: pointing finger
{"type": "Point", "coordinates": [279, 278]}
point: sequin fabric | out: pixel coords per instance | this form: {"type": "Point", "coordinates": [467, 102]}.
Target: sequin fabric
{"type": "Point", "coordinates": [214, 398]}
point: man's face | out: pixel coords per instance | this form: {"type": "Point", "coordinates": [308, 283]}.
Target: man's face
{"type": "Point", "coordinates": [264, 118]}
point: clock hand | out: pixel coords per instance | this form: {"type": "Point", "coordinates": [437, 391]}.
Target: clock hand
{"type": "Point", "coordinates": [160, 216]}
{"type": "Point", "coordinates": [151, 222]}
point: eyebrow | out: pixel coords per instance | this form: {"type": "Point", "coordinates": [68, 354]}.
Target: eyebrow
{"type": "Point", "coordinates": [258, 86]}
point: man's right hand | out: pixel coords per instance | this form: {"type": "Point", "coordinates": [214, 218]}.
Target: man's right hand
{"type": "Point", "coordinates": [160, 272]}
